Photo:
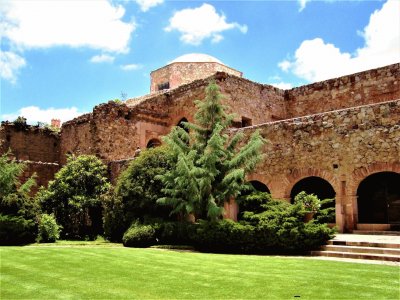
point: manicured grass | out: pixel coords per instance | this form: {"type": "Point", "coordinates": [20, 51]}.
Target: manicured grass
{"type": "Point", "coordinates": [100, 272]}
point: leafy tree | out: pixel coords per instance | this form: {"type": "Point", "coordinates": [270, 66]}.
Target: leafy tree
{"type": "Point", "coordinates": [74, 196]}
{"type": "Point", "coordinates": [17, 209]}
{"type": "Point", "coordinates": [136, 193]}
{"type": "Point", "coordinates": [210, 166]}
{"type": "Point", "coordinates": [15, 196]}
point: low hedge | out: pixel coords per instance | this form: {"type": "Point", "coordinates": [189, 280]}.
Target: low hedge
{"type": "Point", "coordinates": [16, 230]}
{"type": "Point", "coordinates": [139, 236]}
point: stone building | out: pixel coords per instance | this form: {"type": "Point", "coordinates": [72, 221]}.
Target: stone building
{"type": "Point", "coordinates": [337, 138]}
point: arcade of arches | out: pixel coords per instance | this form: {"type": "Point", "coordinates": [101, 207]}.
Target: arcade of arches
{"type": "Point", "coordinates": [374, 206]}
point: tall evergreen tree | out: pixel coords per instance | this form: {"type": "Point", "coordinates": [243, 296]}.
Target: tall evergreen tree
{"type": "Point", "coordinates": [210, 166]}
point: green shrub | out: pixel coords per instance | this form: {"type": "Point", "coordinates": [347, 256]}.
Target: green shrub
{"type": "Point", "coordinates": [15, 230]}
{"type": "Point", "coordinates": [48, 229]}
{"type": "Point", "coordinates": [74, 197]}
{"type": "Point", "coordinates": [253, 202]}
{"type": "Point", "coordinates": [139, 236]}
{"type": "Point", "coordinates": [175, 233]}
{"type": "Point", "coordinates": [113, 217]}
{"type": "Point", "coordinates": [224, 236]}
{"type": "Point", "coordinates": [278, 229]}
{"type": "Point", "coordinates": [309, 202]}
{"type": "Point", "coordinates": [136, 193]}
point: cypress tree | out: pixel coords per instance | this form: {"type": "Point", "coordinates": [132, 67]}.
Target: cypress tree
{"type": "Point", "coordinates": [210, 166]}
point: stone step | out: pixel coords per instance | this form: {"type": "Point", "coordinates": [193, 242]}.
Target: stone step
{"type": "Point", "coordinates": [366, 256]}
{"type": "Point", "coordinates": [358, 249]}
{"type": "Point", "coordinates": [364, 244]}
{"type": "Point", "coordinates": [375, 232]}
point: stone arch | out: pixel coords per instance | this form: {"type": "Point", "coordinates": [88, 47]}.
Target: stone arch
{"type": "Point", "coordinates": [378, 198]}
{"type": "Point", "coordinates": [299, 174]}
{"type": "Point", "coordinates": [153, 143]}
{"type": "Point", "coordinates": [259, 186]}
{"type": "Point", "coordinates": [313, 185]}
{"type": "Point", "coordinates": [360, 174]}
{"type": "Point", "coordinates": [180, 123]}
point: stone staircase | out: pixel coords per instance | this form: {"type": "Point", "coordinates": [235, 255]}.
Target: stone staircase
{"type": "Point", "coordinates": [368, 247]}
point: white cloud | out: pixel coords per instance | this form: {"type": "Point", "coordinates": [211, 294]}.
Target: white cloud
{"type": "Point", "coordinates": [282, 85]}
{"type": "Point", "coordinates": [102, 58]}
{"type": "Point", "coordinates": [197, 24]}
{"type": "Point", "coordinates": [317, 60]}
{"type": "Point", "coordinates": [42, 24]}
{"type": "Point", "coordinates": [131, 67]}
{"type": "Point", "coordinates": [10, 63]}
{"type": "Point", "coordinates": [34, 114]}
{"type": "Point", "coordinates": [303, 4]}
{"type": "Point", "coordinates": [145, 5]}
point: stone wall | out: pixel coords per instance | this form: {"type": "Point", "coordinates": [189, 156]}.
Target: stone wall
{"type": "Point", "coordinates": [180, 73]}
{"type": "Point", "coordinates": [335, 146]}
{"type": "Point", "coordinates": [38, 148]}
{"type": "Point", "coordinates": [30, 142]}
{"type": "Point", "coordinates": [372, 86]}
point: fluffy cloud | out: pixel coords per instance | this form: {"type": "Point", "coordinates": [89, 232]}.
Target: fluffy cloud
{"type": "Point", "coordinates": [145, 5]}
{"type": "Point", "coordinates": [102, 58]}
{"type": "Point", "coordinates": [317, 60]}
{"type": "Point", "coordinates": [37, 24]}
{"type": "Point", "coordinates": [303, 4]}
{"type": "Point", "coordinates": [282, 85]}
{"type": "Point", "coordinates": [34, 114]}
{"type": "Point", "coordinates": [201, 23]}
{"type": "Point", "coordinates": [10, 63]}
{"type": "Point", "coordinates": [41, 24]}
{"type": "Point", "coordinates": [131, 67]}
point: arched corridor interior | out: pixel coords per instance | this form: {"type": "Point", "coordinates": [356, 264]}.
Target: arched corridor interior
{"type": "Point", "coordinates": [378, 199]}
{"type": "Point", "coordinates": [153, 143]}
{"type": "Point", "coordinates": [319, 187]}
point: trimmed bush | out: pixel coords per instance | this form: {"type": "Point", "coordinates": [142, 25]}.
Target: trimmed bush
{"type": "Point", "coordinates": [224, 236]}
{"type": "Point", "coordinates": [139, 236]}
{"type": "Point", "coordinates": [15, 230]}
{"type": "Point", "coordinates": [48, 229]}
{"type": "Point", "coordinates": [253, 202]}
{"type": "Point", "coordinates": [176, 233]}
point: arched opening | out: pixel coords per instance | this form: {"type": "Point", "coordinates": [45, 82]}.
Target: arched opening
{"type": "Point", "coordinates": [259, 186]}
{"type": "Point", "coordinates": [153, 143]}
{"type": "Point", "coordinates": [180, 124]}
{"type": "Point", "coordinates": [378, 199]}
{"type": "Point", "coordinates": [313, 185]}
{"type": "Point", "coordinates": [319, 187]}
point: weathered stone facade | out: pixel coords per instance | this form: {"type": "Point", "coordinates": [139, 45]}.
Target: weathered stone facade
{"type": "Point", "coordinates": [340, 130]}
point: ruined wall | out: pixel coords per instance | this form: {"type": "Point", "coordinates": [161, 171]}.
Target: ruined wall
{"type": "Point", "coordinates": [37, 148]}
{"type": "Point", "coordinates": [30, 143]}
{"type": "Point", "coordinates": [185, 72]}
{"type": "Point", "coordinates": [372, 86]}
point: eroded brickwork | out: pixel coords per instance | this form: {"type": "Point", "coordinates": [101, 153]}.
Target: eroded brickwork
{"type": "Point", "coordinates": [362, 88]}
{"type": "Point", "coordinates": [38, 148]}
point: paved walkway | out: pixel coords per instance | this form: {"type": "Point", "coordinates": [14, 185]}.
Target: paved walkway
{"type": "Point", "coordinates": [349, 237]}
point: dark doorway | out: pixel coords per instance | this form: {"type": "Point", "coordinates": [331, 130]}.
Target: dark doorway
{"type": "Point", "coordinates": [259, 186]}
{"type": "Point", "coordinates": [313, 185]}
{"type": "Point", "coordinates": [153, 143]}
{"type": "Point", "coordinates": [378, 199]}
{"type": "Point", "coordinates": [180, 124]}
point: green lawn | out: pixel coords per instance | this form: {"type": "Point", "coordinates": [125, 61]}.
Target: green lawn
{"type": "Point", "coordinates": [105, 272]}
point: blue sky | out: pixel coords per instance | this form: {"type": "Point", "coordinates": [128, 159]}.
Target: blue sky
{"type": "Point", "coordinates": [61, 58]}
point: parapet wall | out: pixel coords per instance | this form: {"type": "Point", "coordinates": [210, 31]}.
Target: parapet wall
{"type": "Point", "coordinates": [30, 142]}
{"type": "Point", "coordinates": [332, 145]}
{"type": "Point", "coordinates": [37, 148]}
{"type": "Point", "coordinates": [372, 86]}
